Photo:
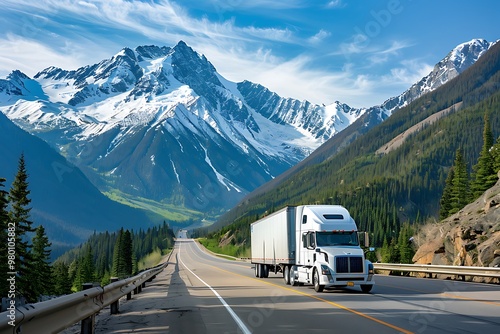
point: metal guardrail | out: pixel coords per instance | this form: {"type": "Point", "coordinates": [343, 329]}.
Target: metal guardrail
{"type": "Point", "coordinates": [57, 314]}
{"type": "Point", "coordinates": [440, 269]}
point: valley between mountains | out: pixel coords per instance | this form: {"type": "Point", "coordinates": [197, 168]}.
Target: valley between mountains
{"type": "Point", "coordinates": [156, 133]}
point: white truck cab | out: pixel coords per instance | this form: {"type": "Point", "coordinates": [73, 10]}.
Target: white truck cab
{"type": "Point", "coordinates": [311, 244]}
{"type": "Point", "coordinates": [329, 250]}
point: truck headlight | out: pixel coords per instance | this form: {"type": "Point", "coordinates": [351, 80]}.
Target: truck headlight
{"type": "Point", "coordinates": [370, 269]}
{"type": "Point", "coordinates": [325, 270]}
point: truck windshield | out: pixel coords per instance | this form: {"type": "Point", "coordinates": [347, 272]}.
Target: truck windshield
{"type": "Point", "coordinates": [337, 239]}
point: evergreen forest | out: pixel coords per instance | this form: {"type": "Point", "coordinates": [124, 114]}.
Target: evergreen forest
{"type": "Point", "coordinates": [26, 262]}
{"type": "Point", "coordinates": [406, 185]}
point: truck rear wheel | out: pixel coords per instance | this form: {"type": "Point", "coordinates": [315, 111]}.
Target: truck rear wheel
{"type": "Point", "coordinates": [286, 275]}
{"type": "Point", "coordinates": [317, 287]}
{"type": "Point", "coordinates": [257, 269]}
{"type": "Point", "coordinates": [265, 271]}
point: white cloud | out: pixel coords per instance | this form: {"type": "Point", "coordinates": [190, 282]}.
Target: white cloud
{"type": "Point", "coordinates": [382, 56]}
{"type": "Point", "coordinates": [320, 36]}
{"type": "Point", "coordinates": [101, 28]}
{"type": "Point", "coordinates": [267, 4]}
{"type": "Point", "coordinates": [17, 53]}
{"type": "Point", "coordinates": [409, 73]}
{"type": "Point", "coordinates": [334, 4]}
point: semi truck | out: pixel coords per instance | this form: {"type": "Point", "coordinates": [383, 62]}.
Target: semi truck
{"type": "Point", "coordinates": [311, 244]}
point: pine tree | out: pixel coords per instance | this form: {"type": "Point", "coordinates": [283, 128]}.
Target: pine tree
{"type": "Point", "coordinates": [445, 202]}
{"type": "Point", "coordinates": [118, 268]}
{"type": "Point", "coordinates": [127, 253]}
{"type": "Point", "coordinates": [484, 174]}
{"type": "Point", "coordinates": [19, 215]}
{"type": "Point", "coordinates": [460, 191]}
{"type": "Point", "coordinates": [122, 255]}
{"type": "Point", "coordinates": [406, 251]}
{"type": "Point", "coordinates": [61, 277]}
{"type": "Point", "coordinates": [495, 153]}
{"type": "Point", "coordinates": [41, 273]}
{"type": "Point", "coordinates": [4, 241]}
{"type": "Point", "coordinates": [87, 265]}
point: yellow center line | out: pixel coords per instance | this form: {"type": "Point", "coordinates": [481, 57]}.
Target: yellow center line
{"type": "Point", "coordinates": [323, 300]}
{"type": "Point", "coordinates": [470, 299]}
{"type": "Point", "coordinates": [444, 294]}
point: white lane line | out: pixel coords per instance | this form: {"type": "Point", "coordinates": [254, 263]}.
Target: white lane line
{"type": "Point", "coordinates": [240, 323]}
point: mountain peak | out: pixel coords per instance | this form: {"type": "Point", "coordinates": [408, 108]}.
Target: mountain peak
{"type": "Point", "coordinates": [17, 75]}
{"type": "Point", "coordinates": [152, 52]}
{"type": "Point", "coordinates": [466, 54]}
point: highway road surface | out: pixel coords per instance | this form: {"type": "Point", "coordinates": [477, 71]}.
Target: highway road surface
{"type": "Point", "coordinates": [200, 293]}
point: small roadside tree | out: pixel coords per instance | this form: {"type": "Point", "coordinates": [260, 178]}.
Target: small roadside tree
{"type": "Point", "coordinates": [19, 216]}
{"type": "Point", "coordinates": [445, 202]}
{"type": "Point", "coordinates": [41, 273]}
{"type": "Point", "coordinates": [4, 252]}
{"type": "Point", "coordinates": [62, 280]}
{"type": "Point", "coordinates": [484, 176]}
{"type": "Point", "coordinates": [460, 184]}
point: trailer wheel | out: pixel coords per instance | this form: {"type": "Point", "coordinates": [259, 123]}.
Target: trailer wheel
{"type": "Point", "coordinates": [286, 275]}
{"type": "Point", "coordinates": [317, 287]}
{"type": "Point", "coordinates": [257, 273]}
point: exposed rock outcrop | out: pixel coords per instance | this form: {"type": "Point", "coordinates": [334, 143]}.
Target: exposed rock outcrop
{"type": "Point", "coordinates": [471, 237]}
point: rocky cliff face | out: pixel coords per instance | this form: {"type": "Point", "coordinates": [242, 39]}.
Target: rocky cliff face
{"type": "Point", "coordinates": [471, 237]}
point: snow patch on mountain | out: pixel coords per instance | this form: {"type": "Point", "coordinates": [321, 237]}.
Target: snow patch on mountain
{"type": "Point", "coordinates": [155, 116]}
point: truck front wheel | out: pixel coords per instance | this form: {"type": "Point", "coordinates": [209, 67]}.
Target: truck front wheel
{"type": "Point", "coordinates": [286, 275]}
{"type": "Point", "coordinates": [293, 280]}
{"type": "Point", "coordinates": [317, 287]}
{"type": "Point", "coordinates": [366, 288]}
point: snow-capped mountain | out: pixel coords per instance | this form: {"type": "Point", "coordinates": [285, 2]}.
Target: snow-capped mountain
{"type": "Point", "coordinates": [69, 206]}
{"type": "Point", "coordinates": [161, 123]}
{"type": "Point", "coordinates": [457, 61]}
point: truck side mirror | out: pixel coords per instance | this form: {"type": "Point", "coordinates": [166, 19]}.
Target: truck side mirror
{"type": "Point", "coordinates": [364, 239]}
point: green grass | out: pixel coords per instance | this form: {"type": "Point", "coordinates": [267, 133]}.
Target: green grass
{"type": "Point", "coordinates": [150, 260]}
{"type": "Point", "coordinates": [168, 211]}
{"type": "Point", "coordinates": [231, 250]}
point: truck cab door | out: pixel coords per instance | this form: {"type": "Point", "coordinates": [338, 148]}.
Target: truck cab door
{"type": "Point", "coordinates": [308, 248]}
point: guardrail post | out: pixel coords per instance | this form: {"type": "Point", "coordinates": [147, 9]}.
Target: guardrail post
{"type": "Point", "coordinates": [115, 306]}
{"type": "Point", "coordinates": [88, 324]}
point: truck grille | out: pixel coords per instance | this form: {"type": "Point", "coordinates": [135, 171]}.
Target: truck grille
{"type": "Point", "coordinates": [349, 264]}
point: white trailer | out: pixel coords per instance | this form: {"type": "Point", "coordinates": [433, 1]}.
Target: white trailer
{"type": "Point", "coordinates": [311, 244]}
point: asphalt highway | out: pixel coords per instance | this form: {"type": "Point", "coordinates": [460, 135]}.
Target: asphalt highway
{"type": "Point", "coordinates": [201, 293]}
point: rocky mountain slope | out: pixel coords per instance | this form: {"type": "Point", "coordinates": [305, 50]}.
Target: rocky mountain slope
{"type": "Point", "coordinates": [454, 63]}
{"type": "Point", "coordinates": [469, 237]}
{"type": "Point", "coordinates": [62, 198]}
{"type": "Point", "coordinates": [383, 191]}
{"type": "Point", "coordinates": [160, 123]}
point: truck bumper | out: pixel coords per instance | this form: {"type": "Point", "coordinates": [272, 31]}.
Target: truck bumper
{"type": "Point", "coordinates": [332, 280]}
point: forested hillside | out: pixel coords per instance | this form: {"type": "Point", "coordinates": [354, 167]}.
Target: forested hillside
{"type": "Point", "coordinates": [382, 191]}
{"type": "Point", "coordinates": [117, 254]}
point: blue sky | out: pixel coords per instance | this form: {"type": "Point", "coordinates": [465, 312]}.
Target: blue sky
{"type": "Point", "coordinates": [357, 52]}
